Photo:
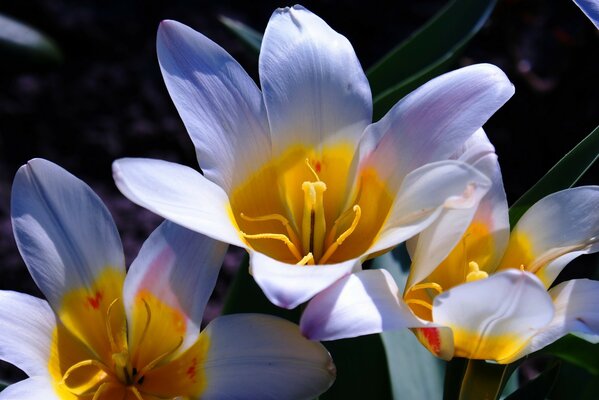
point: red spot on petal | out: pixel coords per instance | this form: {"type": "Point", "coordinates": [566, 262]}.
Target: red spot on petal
{"type": "Point", "coordinates": [317, 166]}
{"type": "Point", "coordinates": [191, 371]}
{"type": "Point", "coordinates": [95, 301]}
{"type": "Point", "coordinates": [431, 336]}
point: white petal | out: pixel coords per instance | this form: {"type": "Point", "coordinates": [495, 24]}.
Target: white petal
{"type": "Point", "coordinates": [179, 194]}
{"type": "Point", "coordinates": [314, 88]}
{"type": "Point", "coordinates": [34, 388]}
{"type": "Point", "coordinates": [289, 285]}
{"type": "Point", "coordinates": [590, 9]}
{"type": "Point", "coordinates": [489, 218]}
{"type": "Point", "coordinates": [254, 356]}
{"type": "Point", "coordinates": [424, 194]}
{"type": "Point", "coordinates": [555, 230]}
{"type": "Point", "coordinates": [431, 123]}
{"type": "Point", "coordinates": [63, 230]}
{"type": "Point", "coordinates": [360, 304]}
{"type": "Point", "coordinates": [221, 106]}
{"type": "Point", "coordinates": [576, 311]}
{"type": "Point", "coordinates": [180, 268]}
{"type": "Point", "coordinates": [27, 326]}
{"type": "Point", "coordinates": [494, 317]}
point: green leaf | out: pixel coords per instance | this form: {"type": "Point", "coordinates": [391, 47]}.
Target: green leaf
{"type": "Point", "coordinates": [427, 52]}
{"type": "Point", "coordinates": [576, 351]}
{"type": "Point", "coordinates": [361, 362]}
{"type": "Point", "coordinates": [539, 387]}
{"type": "Point", "coordinates": [415, 372]}
{"type": "Point", "coordinates": [22, 45]}
{"type": "Point", "coordinates": [249, 36]}
{"type": "Point", "coordinates": [561, 176]}
{"type": "Point", "coordinates": [481, 380]}
{"type": "Point", "coordinates": [3, 385]}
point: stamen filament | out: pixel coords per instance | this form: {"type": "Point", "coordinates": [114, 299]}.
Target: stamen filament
{"type": "Point", "coordinates": [419, 303]}
{"type": "Point", "coordinates": [111, 340]}
{"type": "Point", "coordinates": [428, 285]}
{"type": "Point", "coordinates": [276, 217]}
{"type": "Point", "coordinates": [145, 330]}
{"type": "Point", "coordinates": [102, 389]}
{"type": "Point", "coordinates": [312, 170]}
{"type": "Point", "coordinates": [81, 390]}
{"type": "Point", "coordinates": [276, 236]}
{"type": "Point", "coordinates": [333, 231]}
{"type": "Point", "coordinates": [339, 241]}
{"type": "Point", "coordinates": [307, 260]}
{"type": "Point", "coordinates": [135, 392]}
{"type": "Point", "coordinates": [161, 357]}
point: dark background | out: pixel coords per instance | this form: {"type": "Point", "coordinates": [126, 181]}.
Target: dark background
{"type": "Point", "coordinates": [106, 100]}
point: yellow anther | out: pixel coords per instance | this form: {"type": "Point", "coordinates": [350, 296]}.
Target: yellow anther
{"type": "Point", "coordinates": [307, 260]}
{"type": "Point", "coordinates": [276, 217]}
{"type": "Point", "coordinates": [419, 303]}
{"type": "Point", "coordinates": [428, 285]}
{"type": "Point", "coordinates": [313, 222]}
{"type": "Point", "coordinates": [276, 236]}
{"type": "Point", "coordinates": [312, 170]}
{"type": "Point", "coordinates": [475, 273]}
{"type": "Point", "coordinates": [339, 241]}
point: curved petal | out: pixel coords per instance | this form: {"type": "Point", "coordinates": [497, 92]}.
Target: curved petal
{"type": "Point", "coordinates": [263, 357]}
{"type": "Point", "coordinates": [219, 103]}
{"type": "Point", "coordinates": [492, 318]}
{"type": "Point", "coordinates": [359, 304]}
{"type": "Point", "coordinates": [63, 230]}
{"type": "Point", "coordinates": [179, 194]}
{"type": "Point", "coordinates": [33, 388]}
{"type": "Point", "coordinates": [477, 234]}
{"type": "Point", "coordinates": [431, 123]}
{"type": "Point", "coordinates": [591, 9]}
{"type": "Point", "coordinates": [289, 285]}
{"type": "Point", "coordinates": [555, 230]}
{"type": "Point", "coordinates": [576, 311]}
{"type": "Point", "coordinates": [424, 194]}
{"type": "Point", "coordinates": [27, 327]}
{"type": "Point", "coordinates": [314, 88]}
{"type": "Point", "coordinates": [178, 268]}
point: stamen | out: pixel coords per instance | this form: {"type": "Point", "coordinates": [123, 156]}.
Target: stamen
{"type": "Point", "coordinates": [475, 273]}
{"type": "Point", "coordinates": [333, 231]}
{"type": "Point", "coordinates": [312, 170]}
{"type": "Point", "coordinates": [276, 217]}
{"type": "Point", "coordinates": [429, 285]}
{"type": "Point", "coordinates": [339, 241]}
{"type": "Point", "coordinates": [80, 390]}
{"type": "Point", "coordinates": [113, 346]}
{"type": "Point", "coordinates": [307, 260]}
{"type": "Point", "coordinates": [276, 236]}
{"type": "Point", "coordinates": [143, 334]}
{"type": "Point", "coordinates": [419, 303]}
{"type": "Point", "coordinates": [102, 389]}
{"type": "Point", "coordinates": [135, 392]}
{"type": "Point", "coordinates": [161, 357]}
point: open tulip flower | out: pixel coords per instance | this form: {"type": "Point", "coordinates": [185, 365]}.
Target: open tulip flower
{"type": "Point", "coordinates": [104, 334]}
{"type": "Point", "coordinates": [491, 296]}
{"type": "Point", "coordinates": [297, 173]}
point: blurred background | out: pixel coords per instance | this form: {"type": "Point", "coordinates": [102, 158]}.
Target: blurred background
{"type": "Point", "coordinates": [101, 96]}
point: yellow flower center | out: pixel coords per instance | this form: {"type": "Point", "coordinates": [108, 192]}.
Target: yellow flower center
{"type": "Point", "coordinates": [143, 361]}
{"type": "Point", "coordinates": [302, 208]}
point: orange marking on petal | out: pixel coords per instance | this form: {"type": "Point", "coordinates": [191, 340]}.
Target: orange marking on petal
{"type": "Point", "coordinates": [96, 300]}
{"type": "Point", "coordinates": [191, 371]}
{"type": "Point", "coordinates": [317, 166]}
{"type": "Point", "coordinates": [431, 336]}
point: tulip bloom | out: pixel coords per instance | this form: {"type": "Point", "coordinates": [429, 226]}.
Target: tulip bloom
{"type": "Point", "coordinates": [297, 174]}
{"type": "Point", "coordinates": [104, 334]}
{"type": "Point", "coordinates": [489, 298]}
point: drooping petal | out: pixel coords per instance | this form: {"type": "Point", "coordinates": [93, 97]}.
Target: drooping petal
{"type": "Point", "coordinates": [263, 357]}
{"type": "Point", "coordinates": [555, 230]}
{"type": "Point", "coordinates": [220, 105]}
{"type": "Point", "coordinates": [314, 88]}
{"type": "Point", "coordinates": [591, 9]}
{"type": "Point", "coordinates": [576, 311]}
{"type": "Point", "coordinates": [34, 388]}
{"type": "Point", "coordinates": [434, 121]}
{"type": "Point", "coordinates": [424, 194]}
{"type": "Point", "coordinates": [176, 269]}
{"type": "Point", "coordinates": [475, 234]}
{"type": "Point", "coordinates": [63, 230]}
{"type": "Point", "coordinates": [493, 318]}
{"type": "Point", "coordinates": [179, 194]}
{"type": "Point", "coordinates": [289, 285]}
{"type": "Point", "coordinates": [359, 304]}
{"type": "Point", "coordinates": [27, 326]}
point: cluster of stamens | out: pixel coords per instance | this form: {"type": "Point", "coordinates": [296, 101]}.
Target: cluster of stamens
{"type": "Point", "coordinates": [121, 373]}
{"type": "Point", "coordinates": [315, 245]}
